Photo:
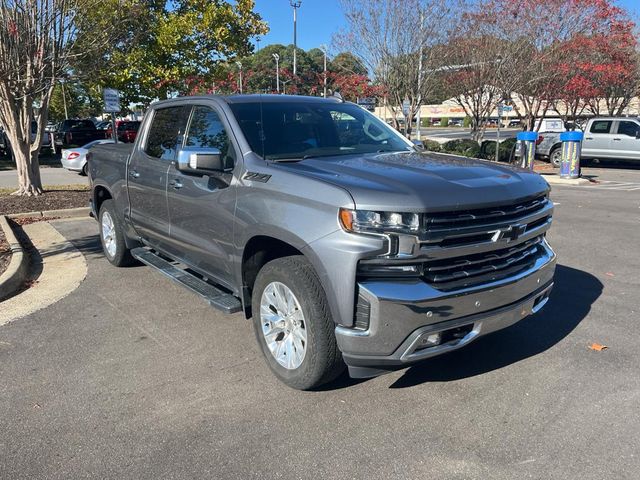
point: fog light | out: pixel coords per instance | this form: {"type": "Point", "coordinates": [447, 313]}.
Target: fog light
{"type": "Point", "coordinates": [430, 341]}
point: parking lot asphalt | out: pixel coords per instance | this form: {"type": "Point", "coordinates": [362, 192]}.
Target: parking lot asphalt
{"type": "Point", "coordinates": [131, 376]}
{"type": "Point", "coordinates": [50, 176]}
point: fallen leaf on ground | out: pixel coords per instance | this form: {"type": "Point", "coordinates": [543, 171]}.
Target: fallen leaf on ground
{"type": "Point", "coordinates": [609, 274]}
{"type": "Point", "coordinates": [597, 347]}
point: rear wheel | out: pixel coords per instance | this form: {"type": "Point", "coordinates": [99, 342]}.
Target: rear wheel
{"type": "Point", "coordinates": [85, 169]}
{"type": "Point", "coordinates": [293, 325]}
{"type": "Point", "coordinates": [555, 157]}
{"type": "Point", "coordinates": [112, 236]}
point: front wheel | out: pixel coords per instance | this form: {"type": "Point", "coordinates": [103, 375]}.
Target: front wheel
{"type": "Point", "coordinates": [293, 325]}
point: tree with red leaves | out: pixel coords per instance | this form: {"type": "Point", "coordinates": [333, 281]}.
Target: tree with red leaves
{"type": "Point", "coordinates": [544, 54]}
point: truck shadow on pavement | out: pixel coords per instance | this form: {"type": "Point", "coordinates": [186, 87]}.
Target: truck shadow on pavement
{"type": "Point", "coordinates": [571, 299]}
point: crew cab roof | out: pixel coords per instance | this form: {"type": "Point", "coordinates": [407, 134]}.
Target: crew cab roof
{"type": "Point", "coordinates": [253, 98]}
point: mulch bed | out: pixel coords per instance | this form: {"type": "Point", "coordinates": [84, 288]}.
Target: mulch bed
{"type": "Point", "coordinates": [52, 199]}
{"type": "Point", "coordinates": [5, 253]}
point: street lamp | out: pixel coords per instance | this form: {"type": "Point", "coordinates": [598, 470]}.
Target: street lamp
{"type": "Point", "coordinates": [324, 50]}
{"type": "Point", "coordinates": [296, 5]}
{"type": "Point", "coordinates": [276, 57]}
{"type": "Point", "coordinates": [258, 40]}
{"type": "Point", "coordinates": [239, 64]}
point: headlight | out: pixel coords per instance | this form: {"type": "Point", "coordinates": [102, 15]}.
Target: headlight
{"type": "Point", "coordinates": [367, 221]}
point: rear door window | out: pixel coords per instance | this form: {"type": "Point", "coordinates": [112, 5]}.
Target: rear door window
{"type": "Point", "coordinates": [601, 126]}
{"type": "Point", "coordinates": [628, 128]}
{"type": "Point", "coordinates": [166, 132]}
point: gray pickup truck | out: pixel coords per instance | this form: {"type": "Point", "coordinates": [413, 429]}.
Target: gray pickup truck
{"type": "Point", "coordinates": [344, 243]}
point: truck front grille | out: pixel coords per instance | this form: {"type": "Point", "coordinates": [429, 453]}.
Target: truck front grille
{"type": "Point", "coordinates": [483, 267]}
{"type": "Point", "coordinates": [478, 246]}
{"type": "Point", "coordinates": [470, 248]}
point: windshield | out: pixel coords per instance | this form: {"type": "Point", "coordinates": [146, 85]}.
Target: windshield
{"type": "Point", "coordinates": [297, 130]}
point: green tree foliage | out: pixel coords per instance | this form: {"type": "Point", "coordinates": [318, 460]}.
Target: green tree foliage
{"type": "Point", "coordinates": [259, 74]}
{"type": "Point", "coordinates": [348, 63]}
{"type": "Point", "coordinates": [174, 44]}
{"type": "Point", "coordinates": [82, 100]}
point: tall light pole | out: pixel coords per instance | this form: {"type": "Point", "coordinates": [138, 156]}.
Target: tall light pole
{"type": "Point", "coordinates": [239, 64]}
{"type": "Point", "coordinates": [499, 108]}
{"type": "Point", "coordinates": [296, 5]}
{"type": "Point", "coordinates": [276, 57]}
{"type": "Point", "coordinates": [258, 42]}
{"type": "Point", "coordinates": [324, 80]}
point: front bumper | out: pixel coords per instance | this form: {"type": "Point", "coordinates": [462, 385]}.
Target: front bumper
{"type": "Point", "coordinates": [403, 313]}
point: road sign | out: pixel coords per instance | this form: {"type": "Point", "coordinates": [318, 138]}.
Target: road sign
{"type": "Point", "coordinates": [111, 100]}
{"type": "Point", "coordinates": [367, 103]}
{"type": "Point", "coordinates": [406, 105]}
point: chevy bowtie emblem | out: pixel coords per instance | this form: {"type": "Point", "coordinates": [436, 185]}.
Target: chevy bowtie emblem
{"type": "Point", "coordinates": [510, 234]}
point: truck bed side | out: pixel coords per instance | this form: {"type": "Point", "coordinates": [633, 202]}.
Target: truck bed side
{"type": "Point", "coordinates": [108, 174]}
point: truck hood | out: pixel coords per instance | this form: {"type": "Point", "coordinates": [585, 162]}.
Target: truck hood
{"type": "Point", "coordinates": [422, 182]}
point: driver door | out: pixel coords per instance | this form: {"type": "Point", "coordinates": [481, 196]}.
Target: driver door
{"type": "Point", "coordinates": [202, 207]}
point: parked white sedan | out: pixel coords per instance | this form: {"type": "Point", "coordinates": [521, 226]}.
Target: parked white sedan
{"type": "Point", "coordinates": [75, 159]}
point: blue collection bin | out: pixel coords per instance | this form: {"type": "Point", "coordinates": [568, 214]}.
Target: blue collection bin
{"type": "Point", "coordinates": [571, 149]}
{"type": "Point", "coordinates": [527, 148]}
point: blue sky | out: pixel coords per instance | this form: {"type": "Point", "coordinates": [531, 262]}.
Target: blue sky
{"type": "Point", "coordinates": [318, 20]}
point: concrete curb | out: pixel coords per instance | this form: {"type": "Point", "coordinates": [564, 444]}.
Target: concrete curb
{"type": "Point", "coordinates": [62, 268]}
{"type": "Point", "coordinates": [63, 213]}
{"type": "Point", "coordinates": [554, 179]}
{"type": "Point", "coordinates": [14, 277]}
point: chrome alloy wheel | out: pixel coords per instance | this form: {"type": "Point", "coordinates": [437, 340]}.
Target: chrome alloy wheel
{"type": "Point", "coordinates": [109, 234]}
{"type": "Point", "coordinates": [283, 325]}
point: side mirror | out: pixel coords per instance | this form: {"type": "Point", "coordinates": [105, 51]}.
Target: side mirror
{"type": "Point", "coordinates": [418, 145]}
{"type": "Point", "coordinates": [638, 134]}
{"type": "Point", "coordinates": [200, 161]}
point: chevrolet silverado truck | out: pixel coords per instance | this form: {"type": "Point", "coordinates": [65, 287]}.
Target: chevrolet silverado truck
{"type": "Point", "coordinates": [343, 243]}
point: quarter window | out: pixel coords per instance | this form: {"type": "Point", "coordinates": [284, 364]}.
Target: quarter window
{"type": "Point", "coordinates": [166, 132]}
{"type": "Point", "coordinates": [601, 126]}
{"type": "Point", "coordinates": [628, 128]}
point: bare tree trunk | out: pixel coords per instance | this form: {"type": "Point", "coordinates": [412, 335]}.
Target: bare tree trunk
{"type": "Point", "coordinates": [28, 166]}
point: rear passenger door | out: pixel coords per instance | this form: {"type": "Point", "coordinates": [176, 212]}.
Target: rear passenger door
{"type": "Point", "coordinates": [147, 173]}
{"type": "Point", "coordinates": [598, 140]}
{"type": "Point", "coordinates": [202, 207]}
{"type": "Point", "coordinates": [626, 144]}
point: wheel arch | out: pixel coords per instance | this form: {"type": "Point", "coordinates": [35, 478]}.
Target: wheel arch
{"type": "Point", "coordinates": [100, 194]}
{"type": "Point", "coordinates": [258, 251]}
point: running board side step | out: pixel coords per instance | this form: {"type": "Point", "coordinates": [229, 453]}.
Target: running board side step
{"type": "Point", "coordinates": [217, 298]}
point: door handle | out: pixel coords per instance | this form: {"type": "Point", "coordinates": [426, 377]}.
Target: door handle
{"type": "Point", "coordinates": [177, 184]}
{"type": "Point", "coordinates": [617, 139]}
{"type": "Point", "coordinates": [588, 138]}
{"type": "Point", "coordinates": [134, 174]}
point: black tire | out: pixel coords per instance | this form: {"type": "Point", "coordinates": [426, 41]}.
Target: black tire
{"type": "Point", "coordinates": [322, 360]}
{"type": "Point", "coordinates": [122, 255]}
{"type": "Point", "coordinates": [555, 157]}
{"type": "Point", "coordinates": [85, 169]}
